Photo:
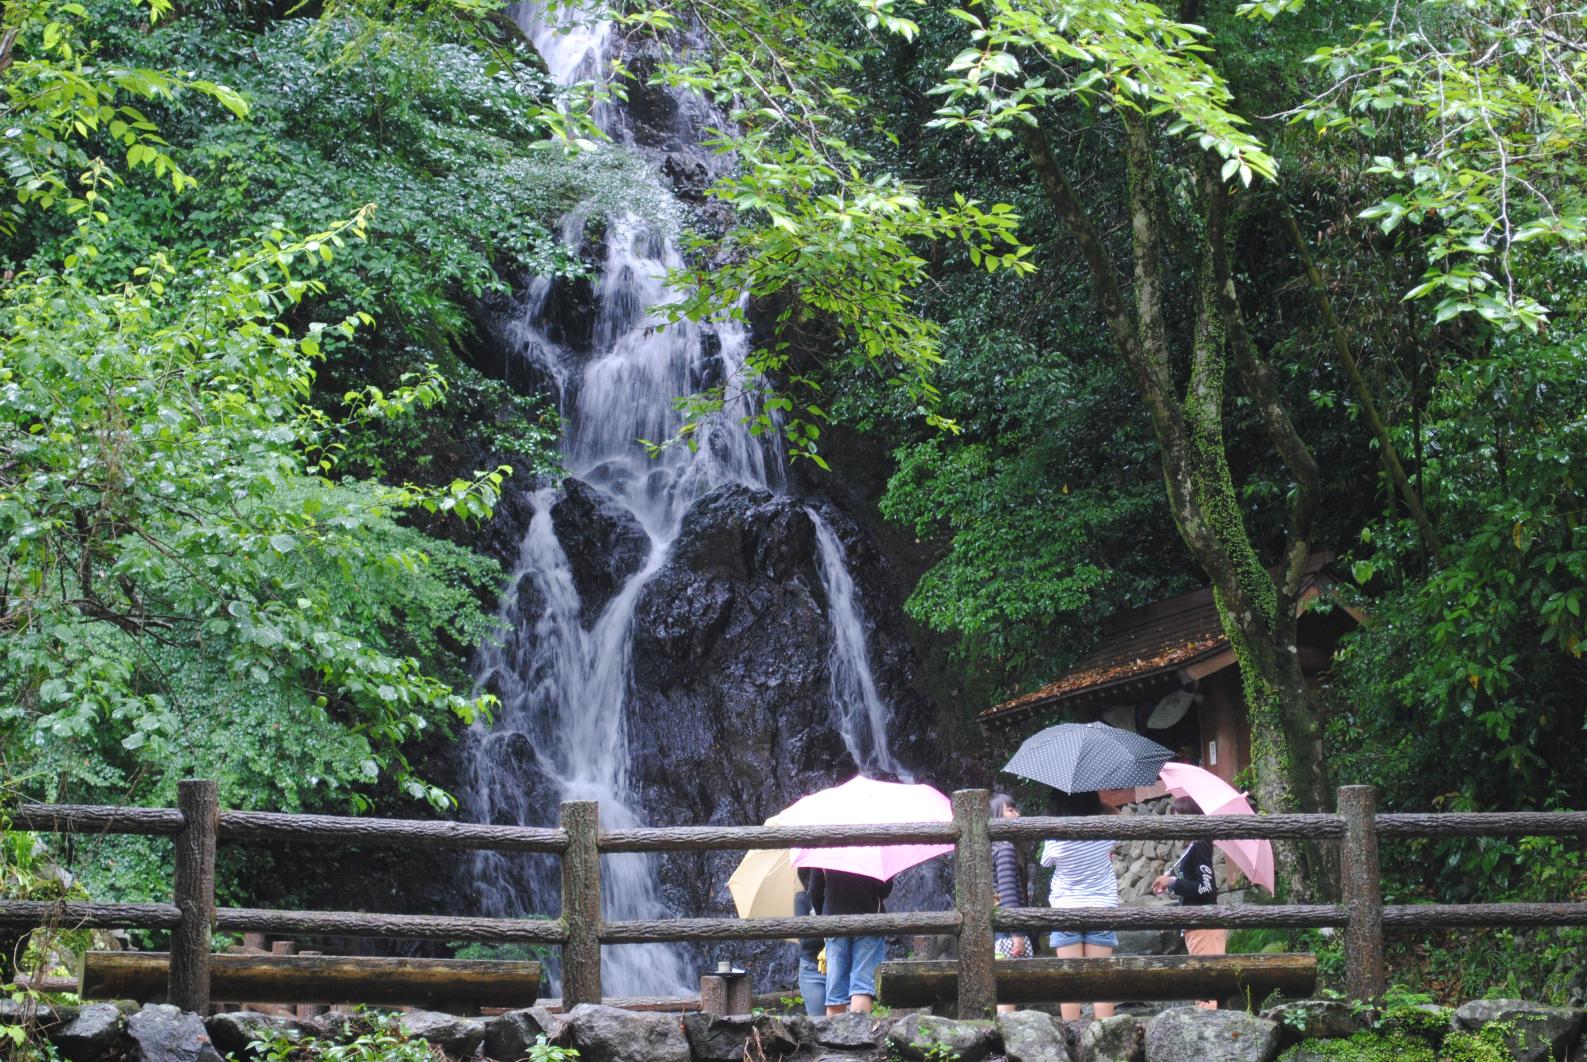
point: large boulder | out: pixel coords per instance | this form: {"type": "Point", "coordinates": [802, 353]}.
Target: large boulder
{"type": "Point", "coordinates": [1318, 1019]}
{"type": "Point", "coordinates": [89, 1034]}
{"type": "Point", "coordinates": [1121, 1038]}
{"type": "Point", "coordinates": [915, 1037]}
{"type": "Point", "coordinates": [232, 1031]}
{"type": "Point", "coordinates": [1031, 1036]}
{"type": "Point", "coordinates": [609, 1034]}
{"type": "Point", "coordinates": [512, 1034]}
{"type": "Point", "coordinates": [603, 542]}
{"type": "Point", "coordinates": [458, 1037]}
{"type": "Point", "coordinates": [1190, 1034]}
{"type": "Point", "coordinates": [1532, 1032]}
{"type": "Point", "coordinates": [734, 1037]}
{"type": "Point", "coordinates": [848, 1031]}
{"type": "Point", "coordinates": [162, 1033]}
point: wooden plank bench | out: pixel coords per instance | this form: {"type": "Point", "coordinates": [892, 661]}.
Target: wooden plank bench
{"type": "Point", "coordinates": [935, 982]}
{"type": "Point", "coordinates": [441, 984]}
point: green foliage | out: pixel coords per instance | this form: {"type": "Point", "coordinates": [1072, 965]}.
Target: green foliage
{"type": "Point", "coordinates": [173, 545]}
{"type": "Point", "coordinates": [1484, 101]}
{"type": "Point", "coordinates": [542, 1051]}
{"type": "Point", "coordinates": [1364, 1046]}
{"type": "Point", "coordinates": [379, 1038]}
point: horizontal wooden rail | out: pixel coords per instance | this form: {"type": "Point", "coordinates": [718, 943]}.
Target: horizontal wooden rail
{"type": "Point", "coordinates": [141, 975]}
{"type": "Point", "coordinates": [1231, 916]}
{"type": "Point", "coordinates": [1484, 824]}
{"type": "Point", "coordinates": [921, 983]}
{"type": "Point", "coordinates": [1165, 827]}
{"type": "Point", "coordinates": [743, 838]}
{"type": "Point", "coordinates": [406, 833]}
{"type": "Point", "coordinates": [1438, 915]}
{"type": "Point", "coordinates": [639, 932]}
{"type": "Point", "coordinates": [95, 818]}
{"type": "Point", "coordinates": [402, 927]}
{"type": "Point", "coordinates": [73, 915]}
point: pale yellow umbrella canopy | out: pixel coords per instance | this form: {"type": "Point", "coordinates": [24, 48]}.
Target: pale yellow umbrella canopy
{"type": "Point", "coordinates": [764, 884]}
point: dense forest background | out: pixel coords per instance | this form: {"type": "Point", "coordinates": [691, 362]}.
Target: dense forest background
{"type": "Point", "coordinates": [250, 439]}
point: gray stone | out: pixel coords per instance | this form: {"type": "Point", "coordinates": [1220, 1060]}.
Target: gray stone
{"type": "Point", "coordinates": [39, 1015]}
{"type": "Point", "coordinates": [458, 1037]}
{"type": "Point", "coordinates": [1189, 1034]}
{"type": "Point", "coordinates": [1031, 1036]}
{"type": "Point", "coordinates": [847, 1030]}
{"type": "Point", "coordinates": [89, 1034]}
{"type": "Point", "coordinates": [233, 1031]}
{"type": "Point", "coordinates": [1121, 1038]}
{"type": "Point", "coordinates": [1150, 942]}
{"type": "Point", "coordinates": [970, 1041]}
{"type": "Point", "coordinates": [609, 1034]}
{"type": "Point", "coordinates": [512, 1034]}
{"type": "Point", "coordinates": [162, 1033]}
{"type": "Point", "coordinates": [1536, 1032]}
{"type": "Point", "coordinates": [1318, 1019]}
{"type": "Point", "coordinates": [734, 1037]}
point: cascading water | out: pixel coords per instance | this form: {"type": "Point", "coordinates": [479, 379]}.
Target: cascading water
{"type": "Point", "coordinates": [564, 676]}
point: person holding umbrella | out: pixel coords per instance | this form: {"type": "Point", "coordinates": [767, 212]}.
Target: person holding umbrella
{"type": "Point", "coordinates": [1192, 879]}
{"type": "Point", "coordinates": [1082, 876]}
{"type": "Point", "coordinates": [851, 961]}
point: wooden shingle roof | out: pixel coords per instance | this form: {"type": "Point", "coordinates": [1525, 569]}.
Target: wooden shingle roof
{"type": "Point", "coordinates": [1147, 651]}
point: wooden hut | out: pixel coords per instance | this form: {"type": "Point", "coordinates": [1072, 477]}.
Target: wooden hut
{"type": "Point", "coordinates": [1167, 671]}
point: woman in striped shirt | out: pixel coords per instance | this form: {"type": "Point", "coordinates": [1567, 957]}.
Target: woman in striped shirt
{"type": "Point", "coordinates": [1082, 877]}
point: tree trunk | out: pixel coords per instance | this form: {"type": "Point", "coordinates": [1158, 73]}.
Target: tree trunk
{"type": "Point", "coordinates": [1257, 614]}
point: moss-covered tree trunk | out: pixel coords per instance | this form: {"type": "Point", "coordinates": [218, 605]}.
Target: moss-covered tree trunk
{"type": "Point", "coordinates": [1257, 611]}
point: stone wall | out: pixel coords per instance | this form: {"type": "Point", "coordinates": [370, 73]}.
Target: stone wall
{"type": "Point", "coordinates": [1304, 1031]}
{"type": "Point", "coordinates": [1138, 863]}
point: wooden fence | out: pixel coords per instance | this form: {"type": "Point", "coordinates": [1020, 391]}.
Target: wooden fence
{"type": "Point", "coordinates": [197, 824]}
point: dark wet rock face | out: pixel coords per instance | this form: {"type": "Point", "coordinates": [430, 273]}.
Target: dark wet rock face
{"type": "Point", "coordinates": [605, 545]}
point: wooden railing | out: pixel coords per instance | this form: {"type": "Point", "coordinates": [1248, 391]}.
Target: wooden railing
{"type": "Point", "coordinates": [197, 824]}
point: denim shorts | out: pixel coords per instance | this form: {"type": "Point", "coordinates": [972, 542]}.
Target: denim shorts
{"type": "Point", "coordinates": [851, 967]}
{"type": "Point", "coordinates": [1101, 938]}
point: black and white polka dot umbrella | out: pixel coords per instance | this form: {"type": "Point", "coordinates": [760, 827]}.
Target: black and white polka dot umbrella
{"type": "Point", "coordinates": [1084, 757]}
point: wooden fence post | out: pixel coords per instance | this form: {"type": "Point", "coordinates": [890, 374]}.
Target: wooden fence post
{"type": "Point", "coordinates": [974, 896]}
{"type": "Point", "coordinates": [1362, 892]}
{"type": "Point", "coordinates": [581, 904]}
{"type": "Point", "coordinates": [188, 984]}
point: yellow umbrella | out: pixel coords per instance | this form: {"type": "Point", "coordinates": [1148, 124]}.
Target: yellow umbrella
{"type": "Point", "coordinates": [764, 884]}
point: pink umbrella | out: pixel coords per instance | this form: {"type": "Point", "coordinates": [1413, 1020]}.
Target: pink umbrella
{"type": "Point", "coordinates": [1214, 796]}
{"type": "Point", "coordinates": [863, 802]}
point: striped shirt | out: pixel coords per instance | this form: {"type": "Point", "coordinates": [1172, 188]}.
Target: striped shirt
{"type": "Point", "coordinates": [1082, 874]}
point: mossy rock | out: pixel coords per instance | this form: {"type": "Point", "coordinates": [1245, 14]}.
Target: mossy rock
{"type": "Point", "coordinates": [1364, 1046]}
{"type": "Point", "coordinates": [1424, 1022]}
{"type": "Point", "coordinates": [1491, 1044]}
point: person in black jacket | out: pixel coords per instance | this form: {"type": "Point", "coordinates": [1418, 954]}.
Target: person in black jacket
{"type": "Point", "coordinates": [851, 961]}
{"type": "Point", "coordinates": [812, 982]}
{"type": "Point", "coordinates": [1192, 879]}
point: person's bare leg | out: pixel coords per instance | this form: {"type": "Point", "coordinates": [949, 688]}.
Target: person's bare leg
{"type": "Point", "coordinates": [1206, 942]}
{"type": "Point", "coordinates": [1097, 951]}
{"type": "Point", "coordinates": [838, 1009]}
{"type": "Point", "coordinates": [1006, 1008]}
{"type": "Point", "coordinates": [1070, 1011]}
{"type": "Point", "coordinates": [860, 1004]}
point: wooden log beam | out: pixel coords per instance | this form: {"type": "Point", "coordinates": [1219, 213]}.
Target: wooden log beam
{"type": "Point", "coordinates": [95, 818]}
{"type": "Point", "coordinates": [744, 838]}
{"type": "Point", "coordinates": [403, 833]}
{"type": "Point", "coordinates": [141, 975]}
{"type": "Point", "coordinates": [30, 914]}
{"type": "Point", "coordinates": [974, 898]}
{"type": "Point", "coordinates": [1166, 827]}
{"type": "Point", "coordinates": [929, 982]}
{"type": "Point", "coordinates": [1441, 915]}
{"type": "Point", "coordinates": [1361, 890]}
{"type": "Point", "coordinates": [1283, 916]}
{"type": "Point", "coordinates": [641, 932]}
{"type": "Point", "coordinates": [194, 857]}
{"type": "Point", "coordinates": [1484, 824]}
{"type": "Point", "coordinates": [403, 927]}
{"type": "Point", "coordinates": [581, 903]}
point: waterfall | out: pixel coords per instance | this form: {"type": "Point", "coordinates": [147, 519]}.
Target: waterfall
{"type": "Point", "coordinates": [564, 678]}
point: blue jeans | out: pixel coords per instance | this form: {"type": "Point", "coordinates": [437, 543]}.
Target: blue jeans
{"type": "Point", "coordinates": [1098, 938]}
{"type": "Point", "coordinates": [813, 986]}
{"type": "Point", "coordinates": [851, 967]}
